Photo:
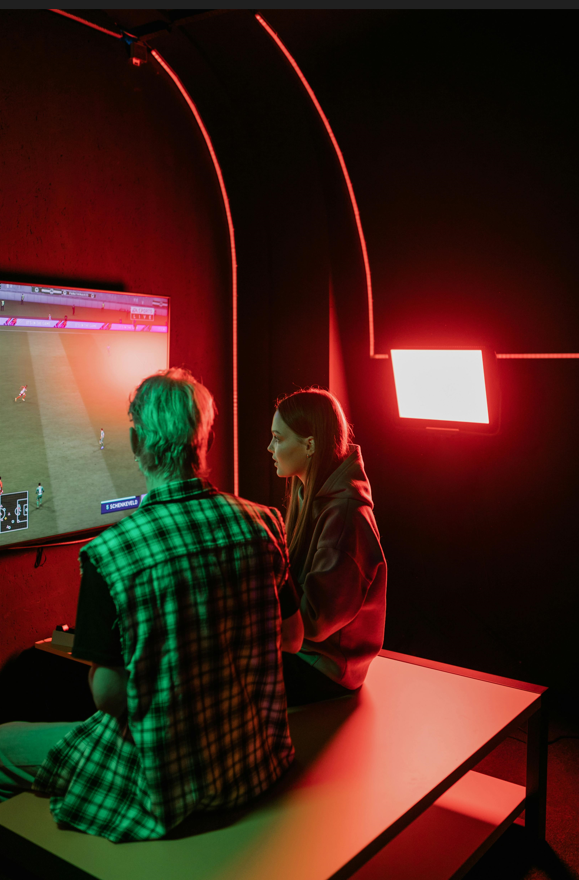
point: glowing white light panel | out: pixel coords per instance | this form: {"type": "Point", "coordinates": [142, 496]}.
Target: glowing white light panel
{"type": "Point", "coordinates": [440, 385]}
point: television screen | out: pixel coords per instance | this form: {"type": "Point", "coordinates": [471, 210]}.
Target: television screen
{"type": "Point", "coordinates": [449, 389]}
{"type": "Point", "coordinates": [69, 359]}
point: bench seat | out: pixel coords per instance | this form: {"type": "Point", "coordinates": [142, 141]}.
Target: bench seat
{"type": "Point", "coordinates": [383, 781]}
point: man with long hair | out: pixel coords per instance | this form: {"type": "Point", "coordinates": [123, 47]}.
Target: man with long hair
{"type": "Point", "coordinates": [180, 614]}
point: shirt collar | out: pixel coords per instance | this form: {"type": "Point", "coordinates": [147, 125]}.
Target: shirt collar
{"type": "Point", "coordinates": [179, 490]}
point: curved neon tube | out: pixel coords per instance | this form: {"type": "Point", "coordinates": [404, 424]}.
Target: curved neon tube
{"type": "Point", "coordinates": [166, 67]}
{"type": "Point", "coordinates": [217, 167]}
{"type": "Point", "coordinates": [338, 151]}
{"type": "Point", "coordinates": [95, 27]}
{"type": "Point", "coordinates": [340, 156]}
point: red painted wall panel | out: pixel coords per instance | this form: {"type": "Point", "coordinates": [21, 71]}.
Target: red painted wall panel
{"type": "Point", "coordinates": [105, 181]}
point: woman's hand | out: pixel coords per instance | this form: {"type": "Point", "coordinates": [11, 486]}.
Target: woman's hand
{"type": "Point", "coordinates": [292, 633]}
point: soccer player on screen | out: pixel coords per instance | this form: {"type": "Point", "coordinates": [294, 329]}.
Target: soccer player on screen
{"type": "Point", "coordinates": [39, 494]}
{"type": "Point", "coordinates": [102, 438]}
{"type": "Point", "coordinates": [22, 394]}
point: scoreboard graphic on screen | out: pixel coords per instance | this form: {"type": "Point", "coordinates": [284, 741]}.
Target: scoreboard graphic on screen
{"type": "Point", "coordinates": [13, 511]}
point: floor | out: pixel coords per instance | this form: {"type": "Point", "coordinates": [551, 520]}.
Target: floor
{"type": "Point", "coordinates": [558, 859]}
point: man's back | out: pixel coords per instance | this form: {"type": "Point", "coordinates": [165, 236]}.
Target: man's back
{"type": "Point", "coordinates": [194, 575]}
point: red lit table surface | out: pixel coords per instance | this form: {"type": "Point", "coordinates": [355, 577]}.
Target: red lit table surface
{"type": "Point", "coordinates": [383, 787]}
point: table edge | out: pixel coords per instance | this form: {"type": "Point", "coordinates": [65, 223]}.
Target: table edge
{"type": "Point", "coordinates": [465, 673]}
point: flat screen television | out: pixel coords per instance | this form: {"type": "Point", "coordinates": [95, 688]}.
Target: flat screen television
{"type": "Point", "coordinates": [447, 389]}
{"type": "Point", "coordinates": [69, 359]}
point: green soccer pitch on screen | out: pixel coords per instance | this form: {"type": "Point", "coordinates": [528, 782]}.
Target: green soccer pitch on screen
{"type": "Point", "coordinates": [70, 358]}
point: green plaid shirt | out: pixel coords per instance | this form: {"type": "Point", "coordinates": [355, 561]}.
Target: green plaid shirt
{"type": "Point", "coordinates": [194, 575]}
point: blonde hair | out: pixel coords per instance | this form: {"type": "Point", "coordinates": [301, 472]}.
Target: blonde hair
{"type": "Point", "coordinates": [173, 415]}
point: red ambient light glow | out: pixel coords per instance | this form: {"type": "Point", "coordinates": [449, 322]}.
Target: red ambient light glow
{"type": "Point", "coordinates": [440, 385]}
{"type": "Point", "coordinates": [349, 186]}
{"type": "Point", "coordinates": [217, 167]}
{"type": "Point", "coordinates": [169, 70]}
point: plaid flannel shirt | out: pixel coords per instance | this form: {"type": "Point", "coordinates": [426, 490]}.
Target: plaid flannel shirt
{"type": "Point", "coordinates": [194, 575]}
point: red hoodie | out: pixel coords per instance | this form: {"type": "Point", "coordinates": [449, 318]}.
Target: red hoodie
{"type": "Point", "coordinates": [343, 580]}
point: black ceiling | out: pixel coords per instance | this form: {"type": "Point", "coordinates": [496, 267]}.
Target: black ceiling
{"type": "Point", "coordinates": [147, 23]}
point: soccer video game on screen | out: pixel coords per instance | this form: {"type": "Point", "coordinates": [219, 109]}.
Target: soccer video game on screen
{"type": "Point", "coordinates": [69, 359]}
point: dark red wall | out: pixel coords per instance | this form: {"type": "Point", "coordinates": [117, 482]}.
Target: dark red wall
{"type": "Point", "coordinates": [106, 182]}
{"type": "Point", "coordinates": [461, 147]}
{"type": "Point", "coordinates": [460, 136]}
{"type": "Point", "coordinates": [461, 142]}
{"type": "Point", "coordinates": [268, 140]}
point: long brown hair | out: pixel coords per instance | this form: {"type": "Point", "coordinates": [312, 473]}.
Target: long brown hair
{"type": "Point", "coordinates": [316, 413]}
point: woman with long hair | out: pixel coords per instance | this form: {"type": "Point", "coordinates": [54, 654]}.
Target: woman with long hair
{"type": "Point", "coordinates": [336, 558]}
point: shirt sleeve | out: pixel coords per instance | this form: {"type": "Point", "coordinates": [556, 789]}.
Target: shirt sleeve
{"type": "Point", "coordinates": [97, 637]}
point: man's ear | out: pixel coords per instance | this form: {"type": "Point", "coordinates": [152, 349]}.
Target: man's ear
{"type": "Point", "coordinates": [134, 441]}
{"type": "Point", "coordinates": [210, 439]}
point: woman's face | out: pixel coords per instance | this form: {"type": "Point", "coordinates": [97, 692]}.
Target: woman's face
{"type": "Point", "coordinates": [290, 452]}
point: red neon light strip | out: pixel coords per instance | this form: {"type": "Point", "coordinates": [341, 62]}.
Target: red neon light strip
{"type": "Point", "coordinates": [332, 136]}
{"type": "Point", "coordinates": [340, 156]}
{"type": "Point", "coordinates": [205, 134]}
{"type": "Point", "coordinates": [217, 167]}
{"type": "Point", "coordinates": [537, 356]}
{"type": "Point", "coordinates": [96, 27]}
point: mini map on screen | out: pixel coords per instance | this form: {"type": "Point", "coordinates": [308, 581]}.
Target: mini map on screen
{"type": "Point", "coordinates": [69, 360]}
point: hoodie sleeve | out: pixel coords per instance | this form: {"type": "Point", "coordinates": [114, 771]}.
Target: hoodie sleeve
{"type": "Point", "coordinates": [344, 564]}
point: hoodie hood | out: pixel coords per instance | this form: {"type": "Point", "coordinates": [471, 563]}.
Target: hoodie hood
{"type": "Point", "coordinates": [348, 481]}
